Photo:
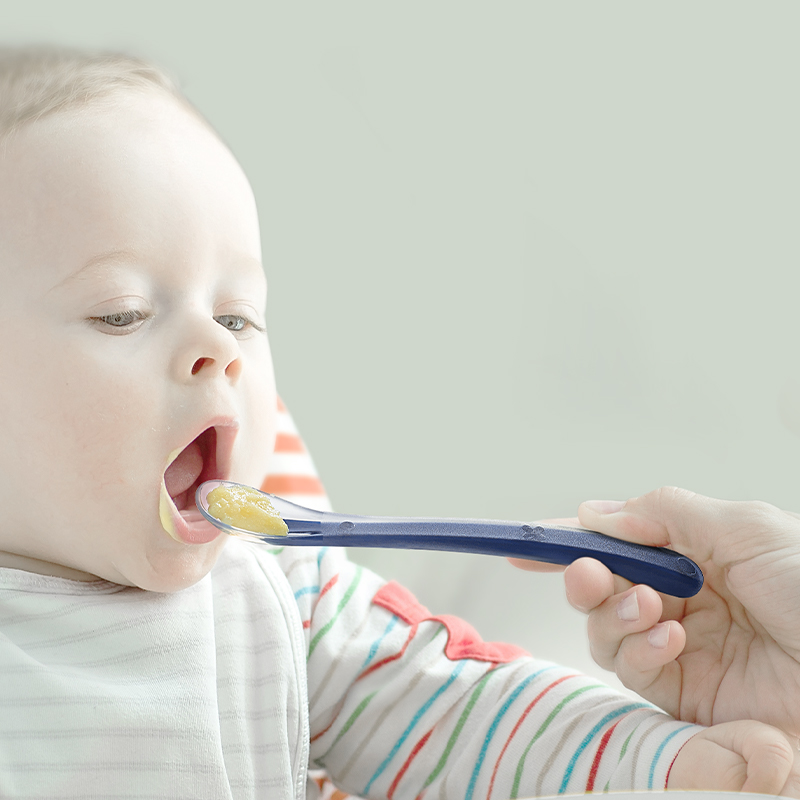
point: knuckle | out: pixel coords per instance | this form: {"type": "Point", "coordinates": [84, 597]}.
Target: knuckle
{"type": "Point", "coordinates": [670, 497]}
{"type": "Point", "coordinates": [762, 510]}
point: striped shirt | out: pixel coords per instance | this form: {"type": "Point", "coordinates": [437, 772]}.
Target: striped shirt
{"type": "Point", "coordinates": [283, 660]}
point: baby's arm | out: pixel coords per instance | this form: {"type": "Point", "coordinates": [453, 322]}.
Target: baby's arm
{"type": "Point", "coordinates": [400, 705]}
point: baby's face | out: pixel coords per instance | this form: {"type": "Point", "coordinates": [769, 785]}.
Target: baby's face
{"type": "Point", "coordinates": [131, 333]}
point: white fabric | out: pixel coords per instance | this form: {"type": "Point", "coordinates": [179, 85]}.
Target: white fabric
{"type": "Point", "coordinates": [113, 692]}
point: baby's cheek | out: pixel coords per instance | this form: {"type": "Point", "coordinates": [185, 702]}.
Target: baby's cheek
{"type": "Point", "coordinates": [256, 441]}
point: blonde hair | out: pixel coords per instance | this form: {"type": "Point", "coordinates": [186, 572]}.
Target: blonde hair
{"type": "Point", "coordinates": [38, 80]}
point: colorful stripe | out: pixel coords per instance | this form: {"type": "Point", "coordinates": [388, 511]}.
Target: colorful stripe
{"type": "Point", "coordinates": [618, 712]}
{"type": "Point", "coordinates": [598, 757]}
{"type": "Point", "coordinates": [412, 755]}
{"type": "Point", "coordinates": [659, 751]}
{"type": "Point", "coordinates": [394, 657]}
{"type": "Point", "coordinates": [342, 603]}
{"type": "Point", "coordinates": [289, 443]}
{"type": "Point", "coordinates": [346, 727]}
{"type": "Point", "coordinates": [519, 725]}
{"type": "Point", "coordinates": [493, 728]}
{"type": "Point", "coordinates": [545, 725]}
{"type": "Point", "coordinates": [457, 730]}
{"type": "Point", "coordinates": [283, 485]}
{"type": "Point", "coordinates": [420, 713]}
{"type": "Point", "coordinates": [377, 643]}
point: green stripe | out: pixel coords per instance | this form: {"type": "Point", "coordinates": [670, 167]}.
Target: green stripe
{"type": "Point", "coordinates": [353, 717]}
{"type": "Point", "coordinates": [625, 746]}
{"type": "Point", "coordinates": [545, 724]}
{"type": "Point", "coordinates": [342, 603]}
{"type": "Point", "coordinates": [622, 754]}
{"type": "Point", "coordinates": [455, 734]}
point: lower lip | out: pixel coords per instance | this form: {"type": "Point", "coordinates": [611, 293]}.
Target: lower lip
{"type": "Point", "coordinates": [188, 526]}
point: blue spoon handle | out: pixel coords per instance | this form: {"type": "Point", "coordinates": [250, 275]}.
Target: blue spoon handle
{"type": "Point", "coordinates": [665, 570]}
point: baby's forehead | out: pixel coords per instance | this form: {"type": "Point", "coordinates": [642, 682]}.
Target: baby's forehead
{"type": "Point", "coordinates": [133, 173]}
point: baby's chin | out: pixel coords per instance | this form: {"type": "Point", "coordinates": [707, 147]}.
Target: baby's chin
{"type": "Point", "coordinates": [164, 569]}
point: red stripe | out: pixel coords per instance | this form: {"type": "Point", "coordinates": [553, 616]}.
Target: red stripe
{"type": "Point", "coordinates": [517, 727]}
{"type": "Point", "coordinates": [388, 659]}
{"type": "Point", "coordinates": [289, 443]}
{"type": "Point", "coordinates": [672, 764]}
{"type": "Point", "coordinates": [325, 730]}
{"type": "Point", "coordinates": [417, 747]}
{"type": "Point", "coordinates": [292, 484]}
{"type": "Point", "coordinates": [598, 755]}
{"type": "Point", "coordinates": [306, 623]}
{"type": "Point", "coordinates": [329, 585]}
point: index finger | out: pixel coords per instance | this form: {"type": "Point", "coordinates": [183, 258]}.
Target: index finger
{"type": "Point", "coordinates": [700, 527]}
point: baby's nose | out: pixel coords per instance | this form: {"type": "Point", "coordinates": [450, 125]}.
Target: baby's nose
{"type": "Point", "coordinates": [208, 350]}
{"type": "Point", "coordinates": [205, 364]}
{"type": "Point", "coordinates": [232, 369]}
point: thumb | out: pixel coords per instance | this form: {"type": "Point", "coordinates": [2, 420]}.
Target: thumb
{"type": "Point", "coordinates": [700, 527]}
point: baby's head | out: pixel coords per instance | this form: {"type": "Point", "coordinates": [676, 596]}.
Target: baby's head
{"type": "Point", "coordinates": [131, 322]}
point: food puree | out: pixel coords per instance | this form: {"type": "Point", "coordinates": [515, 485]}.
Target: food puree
{"type": "Point", "coordinates": [246, 508]}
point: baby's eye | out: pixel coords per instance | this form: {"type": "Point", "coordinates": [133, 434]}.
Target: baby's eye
{"type": "Point", "coordinates": [122, 319]}
{"type": "Point", "coordinates": [236, 323]}
{"type": "Point", "coordinates": [120, 322]}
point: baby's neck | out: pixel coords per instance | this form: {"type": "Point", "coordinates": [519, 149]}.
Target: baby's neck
{"type": "Point", "coordinates": [14, 561]}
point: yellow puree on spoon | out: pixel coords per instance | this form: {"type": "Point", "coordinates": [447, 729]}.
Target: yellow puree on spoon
{"type": "Point", "coordinates": [246, 508]}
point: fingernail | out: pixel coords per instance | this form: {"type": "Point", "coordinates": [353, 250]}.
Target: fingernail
{"type": "Point", "coordinates": [605, 506]}
{"type": "Point", "coordinates": [659, 636]}
{"type": "Point", "coordinates": [628, 608]}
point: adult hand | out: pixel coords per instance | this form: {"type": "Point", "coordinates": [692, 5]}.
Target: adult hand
{"type": "Point", "coordinates": [730, 652]}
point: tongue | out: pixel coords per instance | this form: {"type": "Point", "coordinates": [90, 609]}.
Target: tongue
{"type": "Point", "coordinates": [184, 470]}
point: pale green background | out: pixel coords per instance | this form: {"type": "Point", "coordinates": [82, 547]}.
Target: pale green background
{"type": "Point", "coordinates": [521, 254]}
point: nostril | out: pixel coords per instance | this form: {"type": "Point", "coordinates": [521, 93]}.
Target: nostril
{"type": "Point", "coordinates": [198, 365]}
{"type": "Point", "coordinates": [234, 369]}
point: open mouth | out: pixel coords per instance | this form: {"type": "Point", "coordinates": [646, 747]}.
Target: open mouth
{"type": "Point", "coordinates": [205, 458]}
{"type": "Point", "coordinates": [196, 463]}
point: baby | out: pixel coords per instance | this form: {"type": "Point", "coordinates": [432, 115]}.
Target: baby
{"type": "Point", "coordinates": [143, 653]}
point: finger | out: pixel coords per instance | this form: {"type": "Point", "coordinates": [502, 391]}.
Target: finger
{"type": "Point", "coordinates": [535, 566]}
{"type": "Point", "coordinates": [646, 664]}
{"type": "Point", "coordinates": [619, 618]}
{"type": "Point", "coordinates": [691, 523]}
{"type": "Point", "coordinates": [589, 583]}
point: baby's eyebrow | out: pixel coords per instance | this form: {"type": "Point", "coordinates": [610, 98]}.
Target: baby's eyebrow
{"type": "Point", "coordinates": [96, 264]}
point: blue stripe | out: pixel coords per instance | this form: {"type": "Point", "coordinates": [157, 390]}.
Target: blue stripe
{"type": "Point", "coordinates": [589, 736]}
{"type": "Point", "coordinates": [500, 714]}
{"type": "Point", "coordinates": [377, 643]}
{"type": "Point", "coordinates": [306, 590]}
{"type": "Point", "coordinates": [658, 755]}
{"type": "Point", "coordinates": [399, 743]}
